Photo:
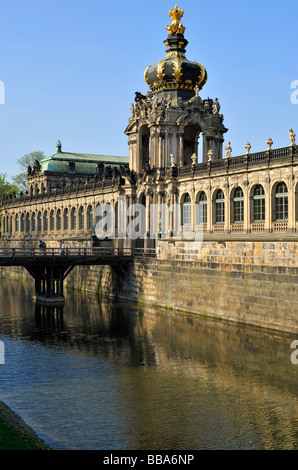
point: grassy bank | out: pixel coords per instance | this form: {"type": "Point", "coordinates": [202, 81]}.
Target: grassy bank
{"type": "Point", "coordinates": [15, 434]}
{"type": "Point", "coordinates": [13, 440]}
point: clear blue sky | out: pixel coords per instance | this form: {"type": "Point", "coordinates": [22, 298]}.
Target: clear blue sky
{"type": "Point", "coordinates": [71, 69]}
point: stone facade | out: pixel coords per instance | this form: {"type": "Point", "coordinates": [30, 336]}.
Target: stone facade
{"type": "Point", "coordinates": [254, 193]}
{"type": "Point", "coordinates": [246, 194]}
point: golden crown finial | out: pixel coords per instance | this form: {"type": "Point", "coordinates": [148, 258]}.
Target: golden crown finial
{"type": "Point", "coordinates": [176, 14]}
{"type": "Point", "coordinates": [176, 27]}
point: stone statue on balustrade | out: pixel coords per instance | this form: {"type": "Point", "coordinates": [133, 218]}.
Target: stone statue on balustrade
{"type": "Point", "coordinates": [216, 106]}
{"type": "Point", "coordinates": [269, 143]}
{"type": "Point", "coordinates": [194, 159]}
{"type": "Point", "coordinates": [247, 147]}
{"type": "Point", "coordinates": [292, 137]}
{"type": "Point", "coordinates": [228, 150]}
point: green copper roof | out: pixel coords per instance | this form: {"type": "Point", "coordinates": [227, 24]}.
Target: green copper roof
{"type": "Point", "coordinates": [84, 163]}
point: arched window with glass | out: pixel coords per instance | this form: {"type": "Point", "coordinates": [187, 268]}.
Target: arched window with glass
{"type": "Point", "coordinates": [27, 223]}
{"type": "Point", "coordinates": [16, 223]}
{"type": "Point", "coordinates": [220, 207]}
{"type": "Point", "coordinates": [65, 219]}
{"type": "Point", "coordinates": [73, 219]}
{"type": "Point", "coordinates": [201, 209]}
{"type": "Point", "coordinates": [52, 220]}
{"type": "Point", "coordinates": [259, 204]}
{"type": "Point", "coordinates": [81, 218]}
{"type": "Point", "coordinates": [116, 217]}
{"type": "Point", "coordinates": [58, 219]}
{"type": "Point", "coordinates": [22, 222]}
{"type": "Point", "coordinates": [89, 217]}
{"type": "Point", "coordinates": [186, 210]}
{"type": "Point", "coordinates": [45, 221]}
{"type": "Point", "coordinates": [281, 201]}
{"type": "Point", "coordinates": [238, 203]}
{"type": "Point", "coordinates": [39, 222]}
{"type": "Point", "coordinates": [33, 222]}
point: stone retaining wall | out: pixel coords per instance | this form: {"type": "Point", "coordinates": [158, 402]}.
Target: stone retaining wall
{"type": "Point", "coordinates": [252, 283]}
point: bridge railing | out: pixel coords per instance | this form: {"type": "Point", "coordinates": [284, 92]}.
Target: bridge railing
{"type": "Point", "coordinates": [13, 252]}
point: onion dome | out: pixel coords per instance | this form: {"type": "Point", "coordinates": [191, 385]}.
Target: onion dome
{"type": "Point", "coordinates": [175, 72]}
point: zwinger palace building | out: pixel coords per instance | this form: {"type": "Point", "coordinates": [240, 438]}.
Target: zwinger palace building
{"type": "Point", "coordinates": [253, 193]}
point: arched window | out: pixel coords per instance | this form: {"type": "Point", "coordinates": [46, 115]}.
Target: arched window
{"type": "Point", "coordinates": [116, 216]}
{"type": "Point", "coordinates": [39, 221]}
{"type": "Point", "coordinates": [22, 222]}
{"type": "Point", "coordinates": [81, 218]}
{"type": "Point", "coordinates": [16, 222]}
{"type": "Point", "coordinates": [190, 144]}
{"type": "Point", "coordinates": [238, 201]}
{"type": "Point", "coordinates": [58, 219]}
{"type": "Point", "coordinates": [52, 220]}
{"type": "Point", "coordinates": [65, 219]}
{"type": "Point", "coordinates": [89, 217]}
{"type": "Point", "coordinates": [259, 204]}
{"type": "Point", "coordinates": [186, 210]}
{"type": "Point", "coordinates": [145, 146]}
{"type": "Point", "coordinates": [201, 209]}
{"type": "Point", "coordinates": [45, 221]}
{"type": "Point", "coordinates": [27, 224]}
{"type": "Point", "coordinates": [73, 219]}
{"type": "Point", "coordinates": [281, 201]}
{"type": "Point", "coordinates": [33, 224]}
{"type": "Point", "coordinates": [219, 207]}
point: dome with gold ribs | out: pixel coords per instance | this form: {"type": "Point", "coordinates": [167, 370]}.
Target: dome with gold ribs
{"type": "Point", "coordinates": [175, 71]}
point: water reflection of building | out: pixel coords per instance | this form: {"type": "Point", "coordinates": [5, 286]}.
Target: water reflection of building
{"type": "Point", "coordinates": [168, 128]}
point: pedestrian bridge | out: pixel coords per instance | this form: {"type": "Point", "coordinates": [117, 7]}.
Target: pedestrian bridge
{"type": "Point", "coordinates": [49, 266]}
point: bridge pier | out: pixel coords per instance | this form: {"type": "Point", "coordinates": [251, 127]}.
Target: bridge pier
{"type": "Point", "coordinates": [49, 282]}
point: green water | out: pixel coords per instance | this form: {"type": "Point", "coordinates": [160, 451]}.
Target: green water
{"type": "Point", "coordinates": [103, 375]}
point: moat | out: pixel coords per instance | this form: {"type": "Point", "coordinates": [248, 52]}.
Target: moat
{"type": "Point", "coordinates": [104, 375]}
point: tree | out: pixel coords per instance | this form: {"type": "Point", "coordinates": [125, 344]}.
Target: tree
{"type": "Point", "coordinates": [6, 189]}
{"type": "Point", "coordinates": [29, 159]}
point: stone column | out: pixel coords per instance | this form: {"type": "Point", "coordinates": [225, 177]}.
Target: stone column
{"type": "Point", "coordinates": [209, 210]}
{"type": "Point", "coordinates": [227, 224]}
{"type": "Point", "coordinates": [246, 208]}
{"type": "Point", "coordinates": [268, 205]}
{"type": "Point", "coordinates": [171, 214]}
{"type": "Point", "coordinates": [291, 205]}
{"type": "Point", "coordinates": [166, 149]}
{"type": "Point", "coordinates": [148, 202]}
{"type": "Point", "coordinates": [193, 211]}
{"type": "Point", "coordinates": [181, 150]}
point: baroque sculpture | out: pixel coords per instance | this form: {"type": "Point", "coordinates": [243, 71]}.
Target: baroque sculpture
{"type": "Point", "coordinates": [269, 143]}
{"type": "Point", "coordinates": [247, 147]}
{"type": "Point", "coordinates": [228, 150]}
{"type": "Point", "coordinates": [292, 137]}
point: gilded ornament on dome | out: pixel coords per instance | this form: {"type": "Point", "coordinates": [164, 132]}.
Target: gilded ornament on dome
{"type": "Point", "coordinates": [176, 14]}
{"type": "Point", "coordinates": [160, 69]}
{"type": "Point", "coordinates": [176, 27]}
{"type": "Point", "coordinates": [177, 69]}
